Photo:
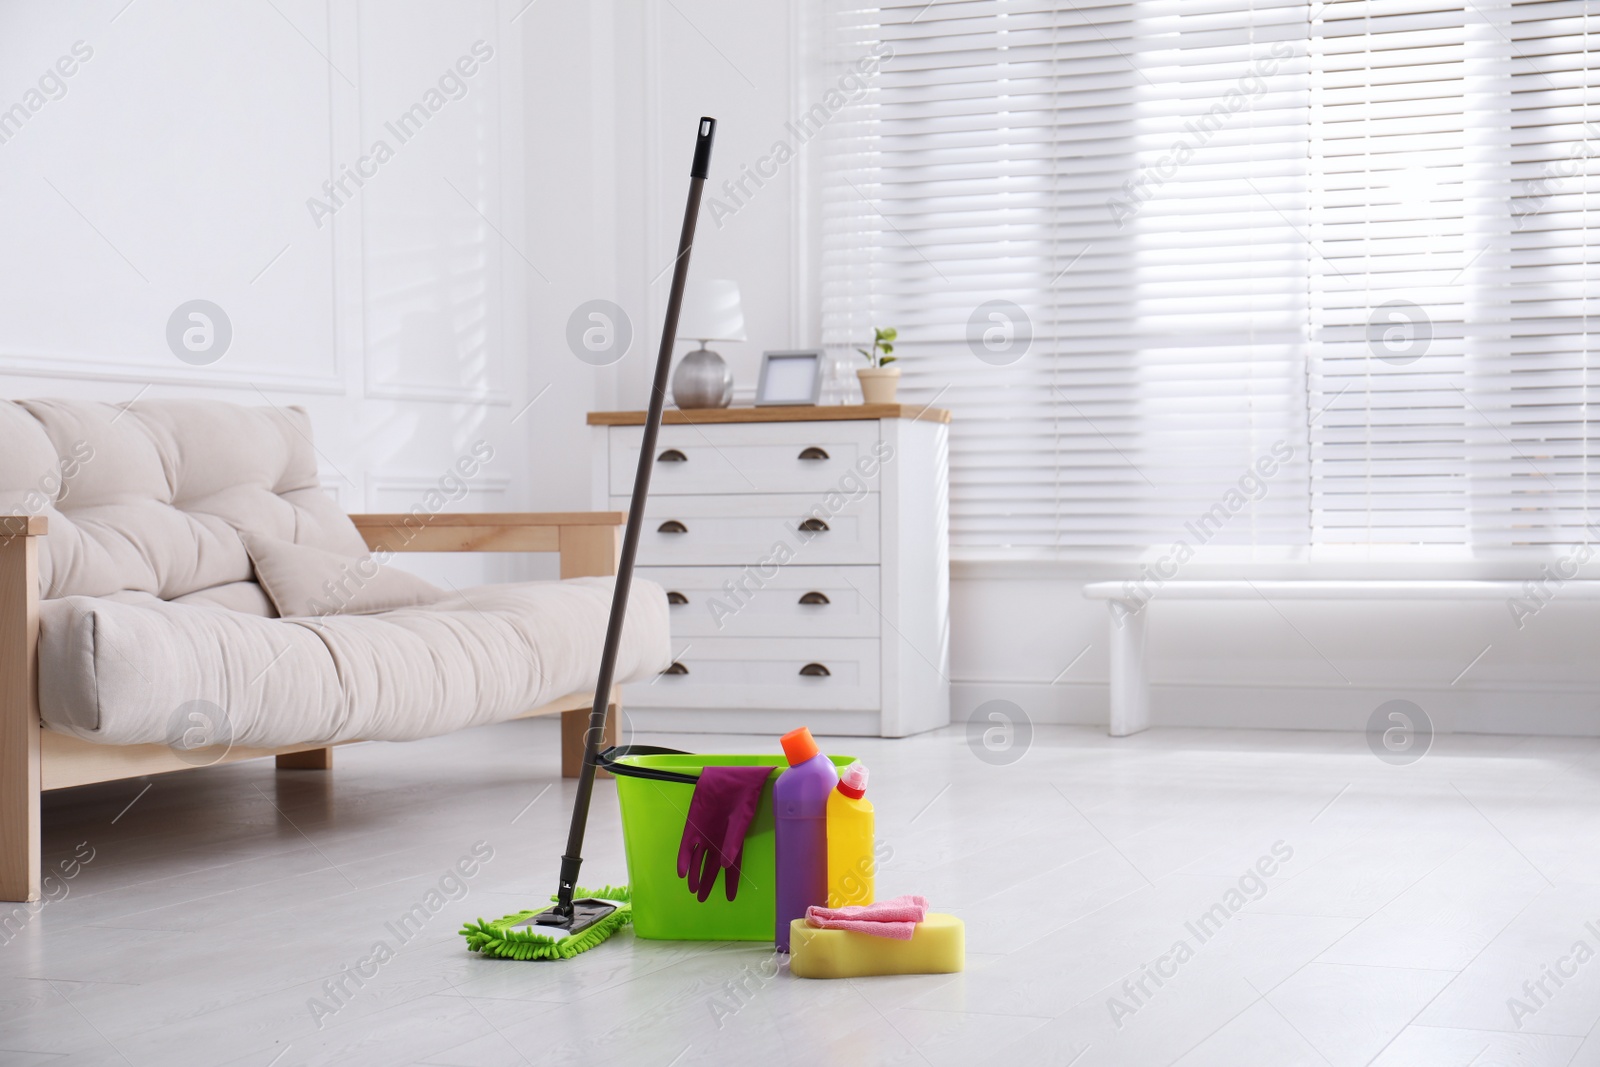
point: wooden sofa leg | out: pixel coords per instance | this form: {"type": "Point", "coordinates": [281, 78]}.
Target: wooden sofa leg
{"type": "Point", "coordinates": [312, 759]}
{"type": "Point", "coordinates": [587, 551]}
{"type": "Point", "coordinates": [574, 727]}
{"type": "Point", "coordinates": [19, 712]}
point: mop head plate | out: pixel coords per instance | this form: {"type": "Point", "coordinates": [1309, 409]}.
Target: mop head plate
{"type": "Point", "coordinates": [505, 939]}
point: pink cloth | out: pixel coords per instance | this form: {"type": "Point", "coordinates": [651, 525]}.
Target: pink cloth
{"type": "Point", "coordinates": [896, 919]}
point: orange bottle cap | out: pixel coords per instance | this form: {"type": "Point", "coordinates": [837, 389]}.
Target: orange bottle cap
{"type": "Point", "coordinates": [799, 746]}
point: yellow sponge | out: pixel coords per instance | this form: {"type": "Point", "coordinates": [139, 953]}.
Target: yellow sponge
{"type": "Point", "coordinates": [938, 946]}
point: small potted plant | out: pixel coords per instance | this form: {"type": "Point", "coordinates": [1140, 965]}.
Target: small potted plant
{"type": "Point", "coordinates": [879, 380]}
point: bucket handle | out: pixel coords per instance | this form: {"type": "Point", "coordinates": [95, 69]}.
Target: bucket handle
{"type": "Point", "coordinates": [607, 760]}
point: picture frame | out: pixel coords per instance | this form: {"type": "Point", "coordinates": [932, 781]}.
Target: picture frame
{"type": "Point", "coordinates": [790, 377]}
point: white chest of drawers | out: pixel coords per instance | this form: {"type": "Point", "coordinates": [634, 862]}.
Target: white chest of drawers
{"type": "Point", "coordinates": [805, 551]}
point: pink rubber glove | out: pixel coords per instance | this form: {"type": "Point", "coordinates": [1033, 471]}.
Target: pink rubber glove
{"type": "Point", "coordinates": [724, 802]}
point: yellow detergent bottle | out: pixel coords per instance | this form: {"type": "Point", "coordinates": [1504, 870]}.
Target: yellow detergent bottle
{"type": "Point", "coordinates": [850, 862]}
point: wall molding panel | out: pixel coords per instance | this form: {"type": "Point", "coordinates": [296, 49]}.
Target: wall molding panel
{"type": "Point", "coordinates": [292, 96]}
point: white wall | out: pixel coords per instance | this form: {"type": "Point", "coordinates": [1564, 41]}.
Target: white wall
{"type": "Point", "coordinates": [1295, 664]}
{"type": "Point", "coordinates": [421, 315]}
{"type": "Point", "coordinates": [737, 62]}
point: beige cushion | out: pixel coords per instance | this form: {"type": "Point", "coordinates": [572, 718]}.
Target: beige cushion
{"type": "Point", "coordinates": [147, 497]}
{"type": "Point", "coordinates": [119, 669]}
{"type": "Point", "coordinates": [301, 580]}
{"type": "Point", "coordinates": [247, 597]}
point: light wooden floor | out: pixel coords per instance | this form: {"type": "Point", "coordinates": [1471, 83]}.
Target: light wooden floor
{"type": "Point", "coordinates": [1416, 902]}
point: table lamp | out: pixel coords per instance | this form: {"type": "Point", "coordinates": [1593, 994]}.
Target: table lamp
{"type": "Point", "coordinates": [711, 312]}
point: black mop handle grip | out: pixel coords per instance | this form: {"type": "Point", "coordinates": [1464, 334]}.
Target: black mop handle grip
{"type": "Point", "coordinates": [702, 148]}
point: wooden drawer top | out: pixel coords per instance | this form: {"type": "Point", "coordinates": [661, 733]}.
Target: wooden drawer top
{"type": "Point", "coordinates": [833, 413]}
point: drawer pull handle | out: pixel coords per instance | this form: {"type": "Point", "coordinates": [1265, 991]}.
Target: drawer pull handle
{"type": "Point", "coordinates": [672, 455]}
{"type": "Point", "coordinates": [812, 598]}
{"type": "Point", "coordinates": [675, 597]}
{"type": "Point", "coordinates": [676, 668]}
{"type": "Point", "coordinates": [672, 526]}
{"type": "Point", "coordinates": [815, 453]}
{"type": "Point", "coordinates": [815, 670]}
{"type": "Point", "coordinates": [814, 526]}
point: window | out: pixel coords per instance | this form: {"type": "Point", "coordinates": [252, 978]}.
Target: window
{"type": "Point", "coordinates": [1294, 280]}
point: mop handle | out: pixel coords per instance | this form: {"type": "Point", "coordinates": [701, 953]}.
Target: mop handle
{"type": "Point", "coordinates": [573, 858]}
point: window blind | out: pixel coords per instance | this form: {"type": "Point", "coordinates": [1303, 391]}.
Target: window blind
{"type": "Point", "coordinates": [1299, 279]}
{"type": "Point", "coordinates": [1451, 189]}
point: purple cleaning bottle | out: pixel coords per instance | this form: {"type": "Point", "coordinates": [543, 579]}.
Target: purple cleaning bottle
{"type": "Point", "coordinates": [800, 800]}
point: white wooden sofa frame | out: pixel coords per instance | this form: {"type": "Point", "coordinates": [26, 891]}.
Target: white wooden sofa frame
{"type": "Point", "coordinates": [1129, 610]}
{"type": "Point", "coordinates": [34, 759]}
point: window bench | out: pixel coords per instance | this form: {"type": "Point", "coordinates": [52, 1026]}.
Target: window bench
{"type": "Point", "coordinates": [1130, 681]}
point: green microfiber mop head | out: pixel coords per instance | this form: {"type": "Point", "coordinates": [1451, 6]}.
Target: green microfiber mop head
{"type": "Point", "coordinates": [504, 938]}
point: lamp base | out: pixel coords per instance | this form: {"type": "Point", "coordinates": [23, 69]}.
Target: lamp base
{"type": "Point", "coordinates": [702, 380]}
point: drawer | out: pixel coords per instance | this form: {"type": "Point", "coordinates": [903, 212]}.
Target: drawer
{"type": "Point", "coordinates": [765, 672]}
{"type": "Point", "coordinates": [792, 601]}
{"type": "Point", "coordinates": [771, 457]}
{"type": "Point", "coordinates": [756, 528]}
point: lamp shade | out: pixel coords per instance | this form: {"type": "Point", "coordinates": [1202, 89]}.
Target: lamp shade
{"type": "Point", "coordinates": [711, 312]}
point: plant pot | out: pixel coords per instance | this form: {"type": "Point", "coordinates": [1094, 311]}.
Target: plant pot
{"type": "Point", "coordinates": [878, 384]}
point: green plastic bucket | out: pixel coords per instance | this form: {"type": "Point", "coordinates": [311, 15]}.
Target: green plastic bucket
{"type": "Point", "coordinates": [654, 787]}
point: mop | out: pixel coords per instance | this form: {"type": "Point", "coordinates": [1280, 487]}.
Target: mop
{"type": "Point", "coordinates": [582, 919]}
